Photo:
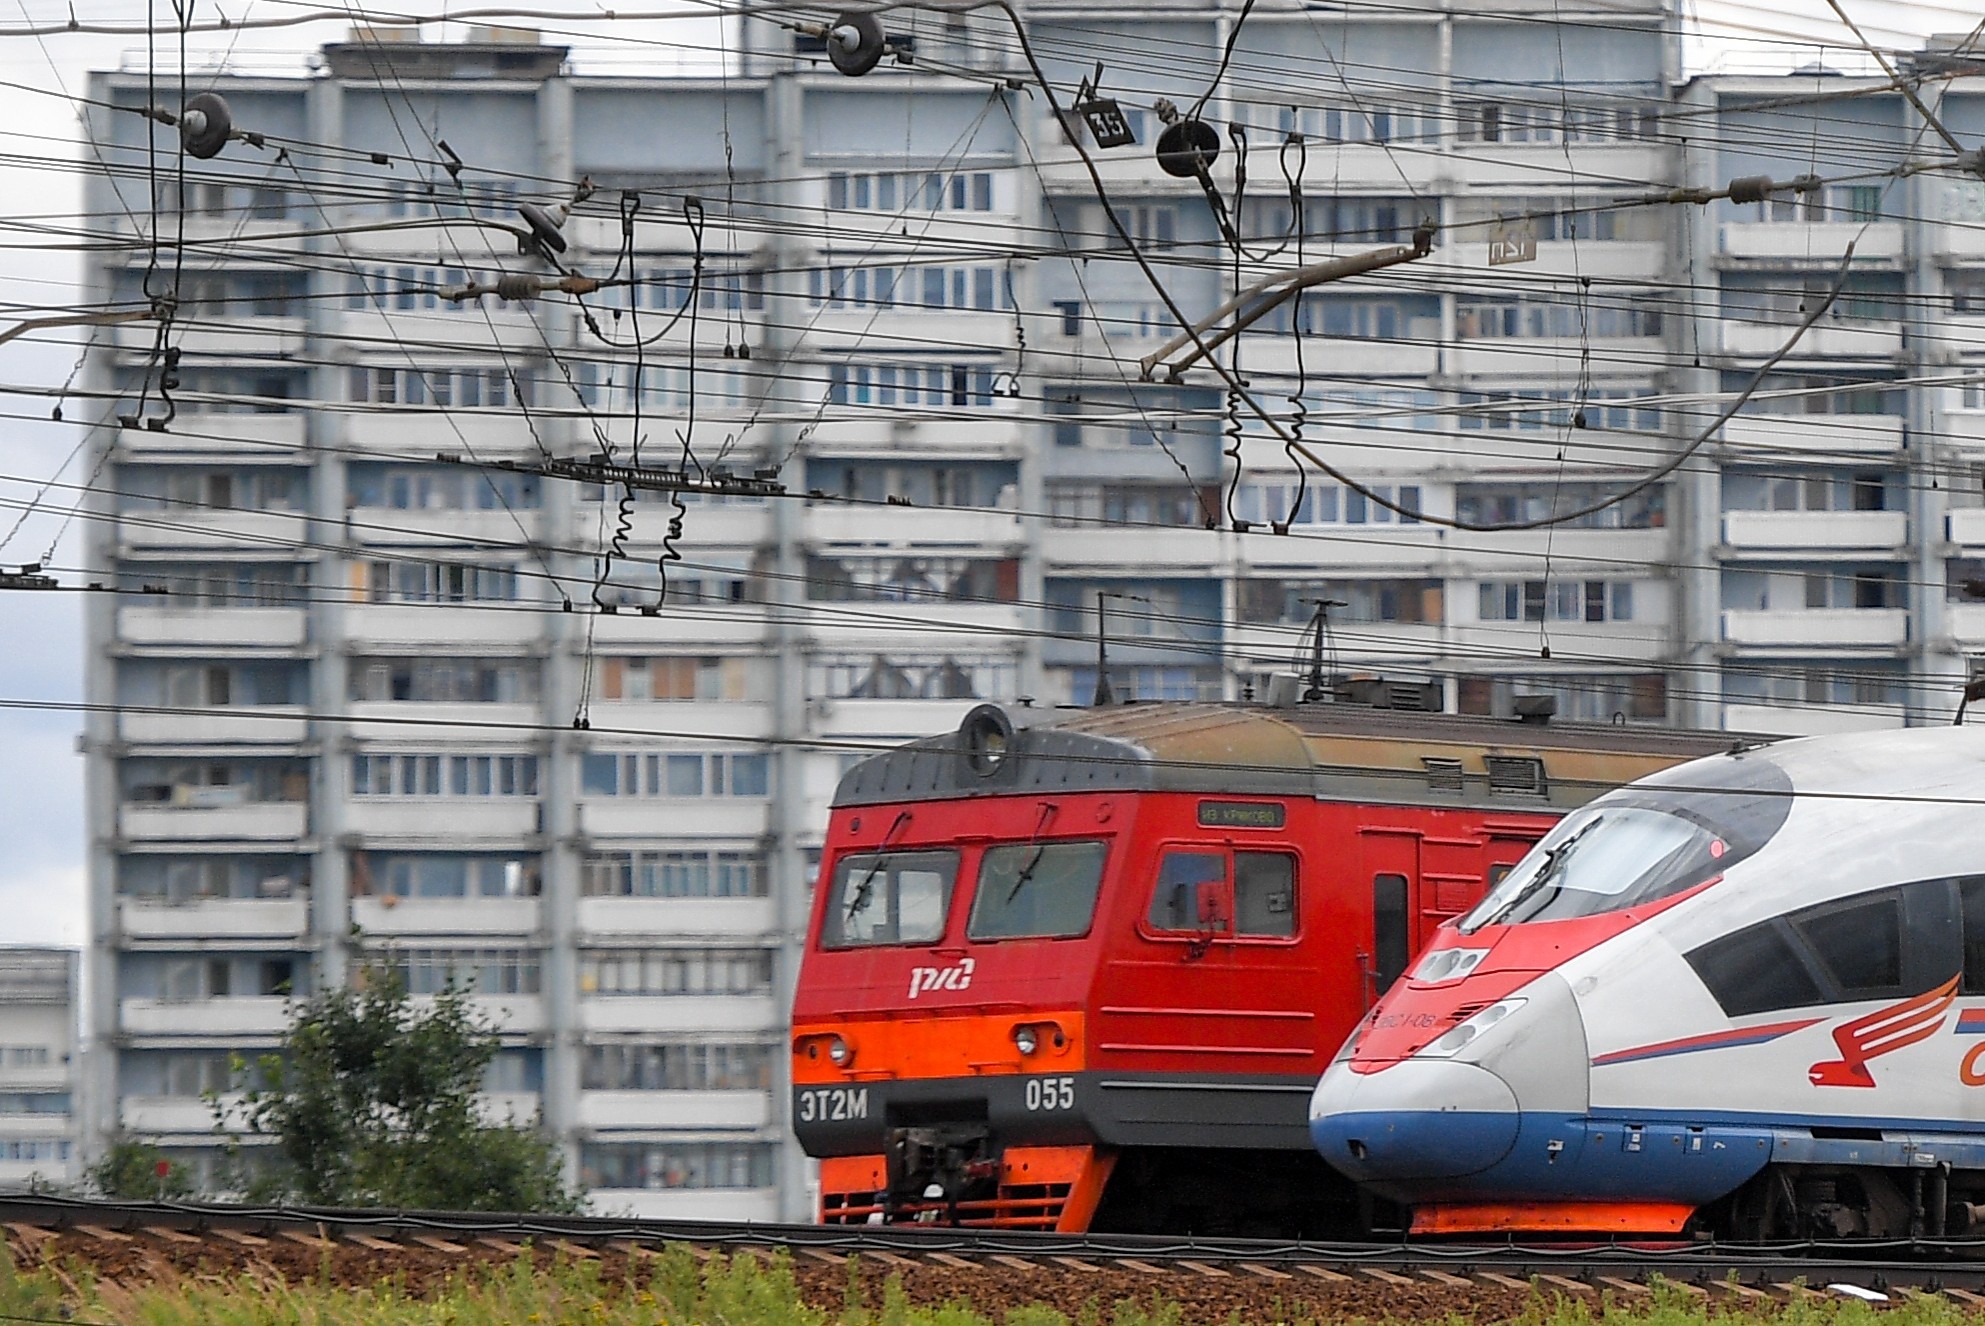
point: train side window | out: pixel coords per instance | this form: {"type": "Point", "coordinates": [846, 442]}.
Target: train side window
{"type": "Point", "coordinates": [1191, 892]}
{"type": "Point", "coordinates": [1037, 890]}
{"type": "Point", "coordinates": [1859, 942]}
{"type": "Point", "coordinates": [889, 898]}
{"type": "Point", "coordinates": [1500, 872]}
{"type": "Point", "coordinates": [1756, 970]}
{"type": "Point", "coordinates": [1971, 895]}
{"type": "Point", "coordinates": [1265, 894]}
{"type": "Point", "coordinates": [1391, 933]}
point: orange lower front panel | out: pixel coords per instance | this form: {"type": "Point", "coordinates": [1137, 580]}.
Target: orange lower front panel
{"type": "Point", "coordinates": [1552, 1218]}
{"type": "Point", "coordinates": [1040, 1187]}
{"type": "Point", "coordinates": [916, 1046]}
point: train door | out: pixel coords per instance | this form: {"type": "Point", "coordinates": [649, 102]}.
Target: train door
{"type": "Point", "coordinates": [1392, 872]}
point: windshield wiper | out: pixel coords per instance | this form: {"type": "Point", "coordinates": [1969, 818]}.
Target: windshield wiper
{"type": "Point", "coordinates": [1554, 859]}
{"type": "Point", "coordinates": [864, 890]}
{"type": "Point", "coordinates": [1048, 810]}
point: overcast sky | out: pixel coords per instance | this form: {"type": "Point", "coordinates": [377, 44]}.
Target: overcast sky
{"type": "Point", "coordinates": [41, 820]}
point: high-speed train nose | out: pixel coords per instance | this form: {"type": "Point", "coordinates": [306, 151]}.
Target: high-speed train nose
{"type": "Point", "coordinates": [1417, 1119]}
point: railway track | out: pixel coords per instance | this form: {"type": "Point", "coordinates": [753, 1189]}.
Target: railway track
{"type": "Point", "coordinates": [147, 1240]}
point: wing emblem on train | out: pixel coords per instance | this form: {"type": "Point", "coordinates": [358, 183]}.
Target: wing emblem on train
{"type": "Point", "coordinates": [1882, 1032]}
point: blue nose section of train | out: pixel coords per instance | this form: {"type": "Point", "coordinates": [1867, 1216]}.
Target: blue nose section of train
{"type": "Point", "coordinates": [1415, 1120]}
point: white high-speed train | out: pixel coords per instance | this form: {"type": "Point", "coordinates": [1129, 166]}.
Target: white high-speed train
{"type": "Point", "coordinates": [1745, 995]}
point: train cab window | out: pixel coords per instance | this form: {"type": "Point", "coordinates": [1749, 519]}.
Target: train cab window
{"type": "Point", "coordinates": [1037, 890]}
{"type": "Point", "coordinates": [1859, 942]}
{"type": "Point", "coordinates": [1265, 894]}
{"type": "Point", "coordinates": [889, 898]}
{"type": "Point", "coordinates": [1971, 899]}
{"type": "Point", "coordinates": [1250, 894]}
{"type": "Point", "coordinates": [1391, 931]}
{"type": "Point", "coordinates": [1191, 892]}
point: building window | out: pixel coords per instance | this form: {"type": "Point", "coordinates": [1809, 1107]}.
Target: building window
{"type": "Point", "coordinates": [675, 873]}
{"type": "Point", "coordinates": [444, 775]}
{"type": "Point", "coordinates": [676, 775]}
{"type": "Point", "coordinates": [729, 1165]}
{"type": "Point", "coordinates": [981, 289]}
{"type": "Point", "coordinates": [912, 579]}
{"type": "Point", "coordinates": [1510, 503]}
{"type": "Point", "coordinates": [1294, 601]}
{"type": "Point", "coordinates": [475, 971]}
{"type": "Point", "coordinates": [1595, 697]}
{"type": "Point", "coordinates": [913, 677]}
{"type": "Point", "coordinates": [445, 680]}
{"type": "Point", "coordinates": [446, 388]}
{"type": "Point", "coordinates": [444, 875]}
{"type": "Point", "coordinates": [676, 1066]}
{"type": "Point", "coordinates": [441, 488]}
{"type": "Point", "coordinates": [912, 191]}
{"type": "Point", "coordinates": [911, 384]}
{"type": "Point", "coordinates": [439, 582]}
{"type": "Point", "coordinates": [675, 971]}
{"type": "Point", "coordinates": [678, 678]}
{"type": "Point", "coordinates": [1556, 601]}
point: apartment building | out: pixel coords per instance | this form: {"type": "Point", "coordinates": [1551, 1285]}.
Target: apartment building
{"type": "Point", "coordinates": [572, 746]}
{"type": "Point", "coordinates": [38, 1067]}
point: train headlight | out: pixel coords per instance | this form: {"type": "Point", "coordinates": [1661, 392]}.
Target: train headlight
{"type": "Point", "coordinates": [840, 1052]}
{"type": "Point", "coordinates": [1457, 1039]}
{"type": "Point", "coordinates": [1448, 964]}
{"type": "Point", "coordinates": [1027, 1039]}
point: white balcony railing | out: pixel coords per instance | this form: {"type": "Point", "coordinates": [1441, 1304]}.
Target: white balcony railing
{"type": "Point", "coordinates": [1818, 628]}
{"type": "Point", "coordinates": [1816, 434]}
{"type": "Point", "coordinates": [1819, 243]}
{"type": "Point", "coordinates": [255, 820]}
{"type": "Point", "coordinates": [1815, 529]}
{"type": "Point", "coordinates": [214, 918]}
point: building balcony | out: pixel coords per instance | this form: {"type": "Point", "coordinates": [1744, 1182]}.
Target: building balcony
{"type": "Point", "coordinates": [845, 627]}
{"type": "Point", "coordinates": [675, 1109]}
{"type": "Point", "coordinates": [391, 915]}
{"type": "Point", "coordinates": [212, 628]}
{"type": "Point", "coordinates": [1959, 241]}
{"type": "Point", "coordinates": [1823, 530]}
{"type": "Point", "coordinates": [682, 625]}
{"type": "Point", "coordinates": [732, 1205]}
{"type": "Point", "coordinates": [421, 626]}
{"type": "Point", "coordinates": [395, 720]}
{"type": "Point", "coordinates": [262, 436]}
{"type": "Point", "coordinates": [47, 1077]}
{"type": "Point", "coordinates": [442, 819]}
{"type": "Point", "coordinates": [991, 435]}
{"type": "Point", "coordinates": [1324, 356]}
{"type": "Point", "coordinates": [644, 1013]}
{"type": "Point", "coordinates": [1817, 628]}
{"type": "Point", "coordinates": [1550, 356]}
{"type": "Point", "coordinates": [236, 338]}
{"type": "Point", "coordinates": [511, 1015]}
{"type": "Point", "coordinates": [1823, 340]}
{"type": "Point", "coordinates": [712, 817]}
{"type": "Point", "coordinates": [1811, 243]}
{"type": "Point", "coordinates": [214, 918]}
{"type": "Point", "coordinates": [489, 434]}
{"type": "Point", "coordinates": [686, 718]}
{"type": "Point", "coordinates": [1185, 548]}
{"type": "Point", "coordinates": [518, 1109]}
{"type": "Point", "coordinates": [18, 1174]}
{"type": "Point", "coordinates": [1965, 430]}
{"type": "Point", "coordinates": [384, 527]}
{"type": "Point", "coordinates": [154, 1115]}
{"type": "Point", "coordinates": [226, 725]}
{"type": "Point", "coordinates": [255, 821]}
{"type": "Point", "coordinates": [715, 918]}
{"type": "Point", "coordinates": [239, 1015]}
{"type": "Point", "coordinates": [1538, 165]}
{"type": "Point", "coordinates": [1785, 720]}
{"type": "Point", "coordinates": [887, 718]}
{"type": "Point", "coordinates": [463, 328]}
{"type": "Point", "coordinates": [1966, 526]}
{"type": "Point", "coordinates": [878, 329]}
{"type": "Point", "coordinates": [911, 527]}
{"type": "Point", "coordinates": [724, 525]}
{"type": "Point", "coordinates": [1624, 260]}
{"type": "Point", "coordinates": [201, 530]}
{"type": "Point", "coordinates": [1966, 623]}
{"type": "Point", "coordinates": [1816, 434]}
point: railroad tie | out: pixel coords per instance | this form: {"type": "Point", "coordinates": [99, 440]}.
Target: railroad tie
{"type": "Point", "coordinates": [570, 1249]}
{"type": "Point", "coordinates": [507, 1247]}
{"type": "Point", "coordinates": [1387, 1277]}
{"type": "Point", "coordinates": [372, 1241]}
{"type": "Point", "coordinates": [1016, 1263]}
{"type": "Point", "coordinates": [1739, 1289]}
{"type": "Point", "coordinates": [1265, 1272]}
{"type": "Point", "coordinates": [1624, 1286]}
{"type": "Point", "coordinates": [1325, 1273]}
{"type": "Point", "coordinates": [1966, 1297]}
{"type": "Point", "coordinates": [831, 1258]}
{"type": "Point", "coordinates": [246, 1240]}
{"type": "Point", "coordinates": [438, 1243]}
{"type": "Point", "coordinates": [33, 1235]}
{"type": "Point", "coordinates": [169, 1234]}
{"type": "Point", "coordinates": [1566, 1283]}
{"type": "Point", "coordinates": [947, 1259]}
{"type": "Point", "coordinates": [106, 1235]}
{"type": "Point", "coordinates": [1203, 1269]}
{"type": "Point", "coordinates": [305, 1237]}
{"type": "Point", "coordinates": [1142, 1268]}
{"type": "Point", "coordinates": [1506, 1281]}
{"type": "Point", "coordinates": [892, 1259]}
{"type": "Point", "coordinates": [1075, 1264]}
{"type": "Point", "coordinates": [1447, 1278]}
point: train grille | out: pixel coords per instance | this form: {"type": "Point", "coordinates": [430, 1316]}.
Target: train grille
{"type": "Point", "coordinates": [1018, 1206]}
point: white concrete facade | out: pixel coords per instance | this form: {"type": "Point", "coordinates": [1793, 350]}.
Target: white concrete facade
{"type": "Point", "coordinates": [39, 1068]}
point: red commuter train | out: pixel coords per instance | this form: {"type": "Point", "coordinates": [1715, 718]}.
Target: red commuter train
{"type": "Point", "coordinates": [1083, 973]}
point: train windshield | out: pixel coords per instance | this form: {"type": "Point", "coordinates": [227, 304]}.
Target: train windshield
{"type": "Point", "coordinates": [1643, 843]}
{"type": "Point", "coordinates": [1037, 890]}
{"type": "Point", "coordinates": [889, 898]}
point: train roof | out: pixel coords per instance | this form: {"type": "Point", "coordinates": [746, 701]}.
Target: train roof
{"type": "Point", "coordinates": [1925, 762]}
{"type": "Point", "coordinates": [1332, 751]}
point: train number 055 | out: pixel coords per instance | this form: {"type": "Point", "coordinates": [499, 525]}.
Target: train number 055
{"type": "Point", "coordinates": [834, 1105]}
{"type": "Point", "coordinates": [1050, 1093]}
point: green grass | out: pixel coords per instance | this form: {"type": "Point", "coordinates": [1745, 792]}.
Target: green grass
{"type": "Point", "coordinates": [675, 1289]}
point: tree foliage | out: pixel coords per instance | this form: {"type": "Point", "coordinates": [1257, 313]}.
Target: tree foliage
{"type": "Point", "coordinates": [134, 1171]}
{"type": "Point", "coordinates": [372, 1101]}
